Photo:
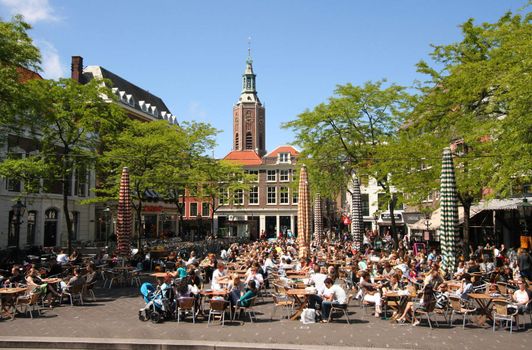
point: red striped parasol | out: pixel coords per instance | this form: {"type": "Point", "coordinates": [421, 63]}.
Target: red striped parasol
{"type": "Point", "coordinates": [303, 211]}
{"type": "Point", "coordinates": [123, 223]}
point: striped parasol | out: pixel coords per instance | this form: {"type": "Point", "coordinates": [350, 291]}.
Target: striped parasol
{"type": "Point", "coordinates": [318, 220]}
{"type": "Point", "coordinates": [449, 211]}
{"type": "Point", "coordinates": [357, 221]}
{"type": "Point", "coordinates": [123, 223]}
{"type": "Point", "coordinates": [303, 211]}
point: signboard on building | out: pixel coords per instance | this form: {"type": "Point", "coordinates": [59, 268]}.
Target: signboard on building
{"type": "Point", "coordinates": [388, 217]}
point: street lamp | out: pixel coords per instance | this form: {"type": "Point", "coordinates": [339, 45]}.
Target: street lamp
{"type": "Point", "coordinates": [427, 225]}
{"type": "Point", "coordinates": [18, 211]}
{"type": "Point", "coordinates": [107, 217]}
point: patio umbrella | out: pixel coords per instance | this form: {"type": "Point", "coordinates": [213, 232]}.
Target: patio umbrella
{"type": "Point", "coordinates": [318, 220]}
{"type": "Point", "coordinates": [303, 211]}
{"type": "Point", "coordinates": [123, 222]}
{"type": "Point", "coordinates": [449, 211]}
{"type": "Point", "coordinates": [357, 223]}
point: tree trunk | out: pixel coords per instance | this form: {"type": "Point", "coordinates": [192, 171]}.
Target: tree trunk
{"type": "Point", "coordinates": [66, 211]}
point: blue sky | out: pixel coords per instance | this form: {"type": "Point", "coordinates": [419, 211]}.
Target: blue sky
{"type": "Point", "coordinates": [192, 53]}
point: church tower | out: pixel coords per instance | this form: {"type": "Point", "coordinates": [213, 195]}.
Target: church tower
{"type": "Point", "coordinates": [249, 115]}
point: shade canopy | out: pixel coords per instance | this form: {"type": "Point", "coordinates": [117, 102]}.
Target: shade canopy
{"type": "Point", "coordinates": [449, 211]}
{"type": "Point", "coordinates": [123, 222]}
{"type": "Point", "coordinates": [357, 220]}
{"type": "Point", "coordinates": [303, 210]}
{"type": "Point", "coordinates": [318, 220]}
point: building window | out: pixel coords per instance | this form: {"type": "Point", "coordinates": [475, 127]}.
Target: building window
{"type": "Point", "coordinates": [205, 209]}
{"type": "Point", "coordinates": [283, 175]}
{"type": "Point", "coordinates": [283, 195]}
{"type": "Point", "coordinates": [254, 195]}
{"type": "Point", "coordinates": [13, 185]}
{"type": "Point", "coordinates": [236, 141]}
{"type": "Point", "coordinates": [80, 182]}
{"type": "Point", "coordinates": [254, 175]}
{"type": "Point", "coordinates": [30, 236]}
{"type": "Point", "coordinates": [271, 176]}
{"type": "Point", "coordinates": [365, 204]}
{"type": "Point", "coordinates": [193, 209]}
{"type": "Point", "coordinates": [295, 197]}
{"type": "Point", "coordinates": [249, 140]}
{"type": "Point", "coordinates": [272, 195]}
{"type": "Point", "coordinates": [223, 197]}
{"type": "Point", "coordinates": [239, 197]}
{"type": "Point", "coordinates": [284, 157]}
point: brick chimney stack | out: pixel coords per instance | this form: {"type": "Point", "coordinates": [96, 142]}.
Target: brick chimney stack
{"type": "Point", "coordinates": [77, 69]}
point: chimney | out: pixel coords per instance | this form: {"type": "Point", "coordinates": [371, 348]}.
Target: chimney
{"type": "Point", "coordinates": [77, 68]}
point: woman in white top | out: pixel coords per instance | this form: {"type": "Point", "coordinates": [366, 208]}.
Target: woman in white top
{"type": "Point", "coordinates": [520, 296]}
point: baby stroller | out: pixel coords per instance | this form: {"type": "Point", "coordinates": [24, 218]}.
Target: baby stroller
{"type": "Point", "coordinates": [160, 304]}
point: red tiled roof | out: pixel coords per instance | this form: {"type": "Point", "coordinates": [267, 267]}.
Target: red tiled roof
{"type": "Point", "coordinates": [25, 74]}
{"type": "Point", "coordinates": [283, 149]}
{"type": "Point", "coordinates": [243, 157]}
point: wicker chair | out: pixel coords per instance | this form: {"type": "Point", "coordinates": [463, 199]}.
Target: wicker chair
{"type": "Point", "coordinates": [217, 307]}
{"type": "Point", "coordinates": [30, 302]}
{"type": "Point", "coordinates": [184, 305]}
{"type": "Point", "coordinates": [341, 308]}
{"type": "Point", "coordinates": [501, 313]}
{"type": "Point", "coordinates": [459, 309]}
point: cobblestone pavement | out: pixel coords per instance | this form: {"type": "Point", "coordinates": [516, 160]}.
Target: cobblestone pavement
{"type": "Point", "coordinates": [115, 315]}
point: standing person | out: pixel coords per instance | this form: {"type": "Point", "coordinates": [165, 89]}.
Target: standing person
{"type": "Point", "coordinates": [525, 263]}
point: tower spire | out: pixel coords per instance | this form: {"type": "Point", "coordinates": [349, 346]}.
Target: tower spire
{"type": "Point", "coordinates": [249, 60]}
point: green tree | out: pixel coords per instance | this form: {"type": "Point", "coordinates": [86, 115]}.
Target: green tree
{"type": "Point", "coordinates": [16, 51]}
{"type": "Point", "coordinates": [68, 121]}
{"type": "Point", "coordinates": [480, 101]}
{"type": "Point", "coordinates": [340, 139]}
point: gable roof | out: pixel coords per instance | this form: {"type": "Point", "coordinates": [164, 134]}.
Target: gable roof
{"type": "Point", "coordinates": [243, 157]}
{"type": "Point", "coordinates": [24, 75]}
{"type": "Point", "coordinates": [122, 86]}
{"type": "Point", "coordinates": [283, 149]}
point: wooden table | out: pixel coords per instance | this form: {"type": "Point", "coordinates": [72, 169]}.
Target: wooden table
{"type": "Point", "coordinates": [8, 296]}
{"type": "Point", "coordinates": [301, 299]}
{"type": "Point", "coordinates": [401, 303]}
{"type": "Point", "coordinates": [162, 274]}
{"type": "Point", "coordinates": [52, 280]}
{"type": "Point", "coordinates": [484, 302]}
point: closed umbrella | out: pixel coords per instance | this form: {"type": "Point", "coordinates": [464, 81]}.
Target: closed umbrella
{"type": "Point", "coordinates": [123, 222]}
{"type": "Point", "coordinates": [357, 221]}
{"type": "Point", "coordinates": [318, 220]}
{"type": "Point", "coordinates": [449, 211]}
{"type": "Point", "coordinates": [303, 211]}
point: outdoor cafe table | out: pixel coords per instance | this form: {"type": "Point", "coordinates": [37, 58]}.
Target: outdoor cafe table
{"type": "Point", "coordinates": [401, 303]}
{"type": "Point", "coordinates": [8, 296]}
{"type": "Point", "coordinates": [53, 280]}
{"type": "Point", "coordinates": [484, 302]}
{"type": "Point", "coordinates": [301, 298]}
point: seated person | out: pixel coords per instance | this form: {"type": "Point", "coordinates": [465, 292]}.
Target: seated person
{"type": "Point", "coordinates": [75, 257]}
{"type": "Point", "coordinates": [411, 307]}
{"type": "Point", "coordinates": [318, 279]}
{"type": "Point", "coordinates": [217, 275]}
{"type": "Point", "coordinates": [255, 276]}
{"type": "Point", "coordinates": [251, 292]}
{"type": "Point", "coordinates": [35, 282]}
{"type": "Point", "coordinates": [236, 290]}
{"type": "Point", "coordinates": [333, 295]}
{"type": "Point", "coordinates": [181, 269]}
{"type": "Point", "coordinates": [16, 278]}
{"type": "Point", "coordinates": [91, 274]}
{"type": "Point", "coordinates": [76, 280]}
{"type": "Point", "coordinates": [466, 287]}
{"type": "Point", "coordinates": [62, 258]}
{"type": "Point", "coordinates": [371, 293]}
{"type": "Point", "coordinates": [521, 296]}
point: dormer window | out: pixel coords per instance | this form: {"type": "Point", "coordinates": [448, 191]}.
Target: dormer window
{"type": "Point", "coordinates": [284, 157]}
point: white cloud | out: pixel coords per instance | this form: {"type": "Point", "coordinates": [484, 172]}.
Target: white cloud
{"type": "Point", "coordinates": [51, 63]}
{"type": "Point", "coordinates": [32, 10]}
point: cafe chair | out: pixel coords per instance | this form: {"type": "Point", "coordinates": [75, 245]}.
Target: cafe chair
{"type": "Point", "coordinates": [30, 303]}
{"type": "Point", "coordinates": [72, 293]}
{"type": "Point", "coordinates": [88, 289]}
{"type": "Point", "coordinates": [284, 302]}
{"type": "Point", "coordinates": [217, 308]}
{"type": "Point", "coordinates": [429, 311]}
{"type": "Point", "coordinates": [341, 308]}
{"type": "Point", "coordinates": [502, 313]}
{"type": "Point", "coordinates": [459, 309]}
{"type": "Point", "coordinates": [246, 309]}
{"type": "Point", "coordinates": [110, 276]}
{"type": "Point", "coordinates": [184, 305]}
